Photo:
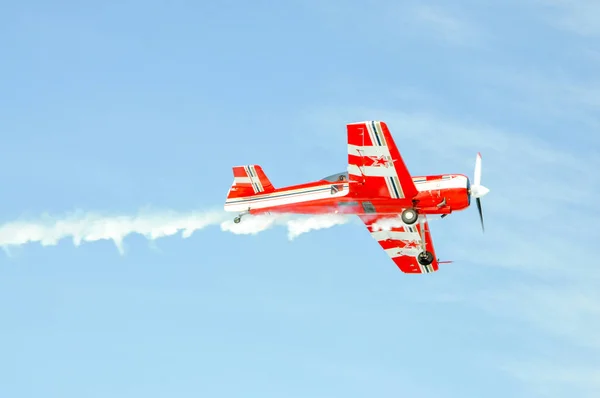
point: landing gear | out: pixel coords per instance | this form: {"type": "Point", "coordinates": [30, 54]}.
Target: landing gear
{"type": "Point", "coordinates": [239, 218]}
{"type": "Point", "coordinates": [409, 216]}
{"type": "Point", "coordinates": [425, 258]}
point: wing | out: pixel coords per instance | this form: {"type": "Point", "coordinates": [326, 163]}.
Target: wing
{"type": "Point", "coordinates": [374, 160]}
{"type": "Point", "coordinates": [402, 242]}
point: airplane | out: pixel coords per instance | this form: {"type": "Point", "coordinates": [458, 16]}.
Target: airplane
{"type": "Point", "coordinates": [377, 187]}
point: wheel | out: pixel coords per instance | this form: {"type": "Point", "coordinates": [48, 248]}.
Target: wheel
{"type": "Point", "coordinates": [425, 258]}
{"type": "Point", "coordinates": [409, 216]}
{"type": "Point", "coordinates": [237, 220]}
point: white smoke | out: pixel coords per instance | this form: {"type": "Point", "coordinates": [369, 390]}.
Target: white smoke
{"type": "Point", "coordinates": [90, 227]}
{"type": "Point", "coordinates": [251, 225]}
{"type": "Point", "coordinates": [386, 224]}
{"type": "Point", "coordinates": [299, 226]}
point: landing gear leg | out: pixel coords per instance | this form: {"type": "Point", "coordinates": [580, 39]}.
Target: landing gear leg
{"type": "Point", "coordinates": [425, 257]}
{"type": "Point", "coordinates": [239, 218]}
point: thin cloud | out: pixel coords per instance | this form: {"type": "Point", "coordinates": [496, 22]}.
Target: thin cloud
{"type": "Point", "coordinates": [444, 25]}
{"type": "Point", "coordinates": [551, 378]}
{"type": "Point", "coordinates": [547, 91]}
{"type": "Point", "coordinates": [568, 311]}
{"type": "Point", "coordinates": [396, 21]}
{"type": "Point", "coordinates": [578, 16]}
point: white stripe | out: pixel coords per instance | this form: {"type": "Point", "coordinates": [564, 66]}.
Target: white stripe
{"type": "Point", "coordinates": [396, 235]}
{"type": "Point", "coordinates": [368, 125]}
{"type": "Point", "coordinates": [247, 171]}
{"type": "Point", "coordinates": [378, 133]}
{"type": "Point", "coordinates": [372, 171]}
{"type": "Point", "coordinates": [256, 179]}
{"type": "Point", "coordinates": [276, 194]}
{"type": "Point", "coordinates": [354, 170]}
{"type": "Point", "coordinates": [401, 252]}
{"type": "Point", "coordinates": [434, 185]}
{"type": "Point", "coordinates": [372, 134]}
{"type": "Point", "coordinates": [358, 150]}
{"type": "Point", "coordinates": [396, 180]}
{"type": "Point", "coordinates": [242, 180]}
{"type": "Point", "coordinates": [390, 188]}
{"type": "Point", "coordinates": [267, 201]}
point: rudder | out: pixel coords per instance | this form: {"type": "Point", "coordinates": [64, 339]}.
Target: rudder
{"type": "Point", "coordinates": [249, 180]}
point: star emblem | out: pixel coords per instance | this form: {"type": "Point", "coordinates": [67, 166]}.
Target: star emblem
{"type": "Point", "coordinates": [382, 161]}
{"type": "Point", "coordinates": [406, 249]}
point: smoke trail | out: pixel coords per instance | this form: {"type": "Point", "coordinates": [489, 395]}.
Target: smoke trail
{"type": "Point", "coordinates": [296, 224]}
{"type": "Point", "coordinates": [386, 224]}
{"type": "Point", "coordinates": [90, 227]}
{"type": "Point", "coordinates": [303, 225]}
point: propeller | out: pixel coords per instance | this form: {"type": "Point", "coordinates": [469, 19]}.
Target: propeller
{"type": "Point", "coordinates": [477, 190]}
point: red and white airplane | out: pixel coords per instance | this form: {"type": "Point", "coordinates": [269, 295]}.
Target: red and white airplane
{"type": "Point", "coordinates": [377, 187]}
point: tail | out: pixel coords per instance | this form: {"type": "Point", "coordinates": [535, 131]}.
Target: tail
{"type": "Point", "coordinates": [249, 180]}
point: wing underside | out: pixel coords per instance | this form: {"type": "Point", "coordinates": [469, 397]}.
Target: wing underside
{"type": "Point", "coordinates": [401, 242]}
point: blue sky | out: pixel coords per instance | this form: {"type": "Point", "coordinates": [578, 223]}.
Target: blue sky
{"type": "Point", "coordinates": [115, 108]}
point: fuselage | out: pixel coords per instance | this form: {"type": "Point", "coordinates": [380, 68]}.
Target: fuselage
{"type": "Point", "coordinates": [437, 194]}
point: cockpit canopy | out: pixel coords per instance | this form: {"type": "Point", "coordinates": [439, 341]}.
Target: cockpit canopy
{"type": "Point", "coordinates": [336, 177]}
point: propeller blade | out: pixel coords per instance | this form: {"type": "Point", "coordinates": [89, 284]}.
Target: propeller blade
{"type": "Point", "coordinates": [480, 213]}
{"type": "Point", "coordinates": [477, 173]}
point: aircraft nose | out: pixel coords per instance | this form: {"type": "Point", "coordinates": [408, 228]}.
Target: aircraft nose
{"type": "Point", "coordinates": [481, 191]}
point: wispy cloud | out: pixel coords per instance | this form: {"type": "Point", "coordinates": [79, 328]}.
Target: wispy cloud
{"type": "Point", "coordinates": [396, 20]}
{"type": "Point", "coordinates": [569, 311]}
{"type": "Point", "coordinates": [551, 378]}
{"type": "Point", "coordinates": [90, 227]}
{"type": "Point", "coordinates": [579, 16]}
{"type": "Point", "coordinates": [543, 94]}
{"type": "Point", "coordinates": [443, 25]}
